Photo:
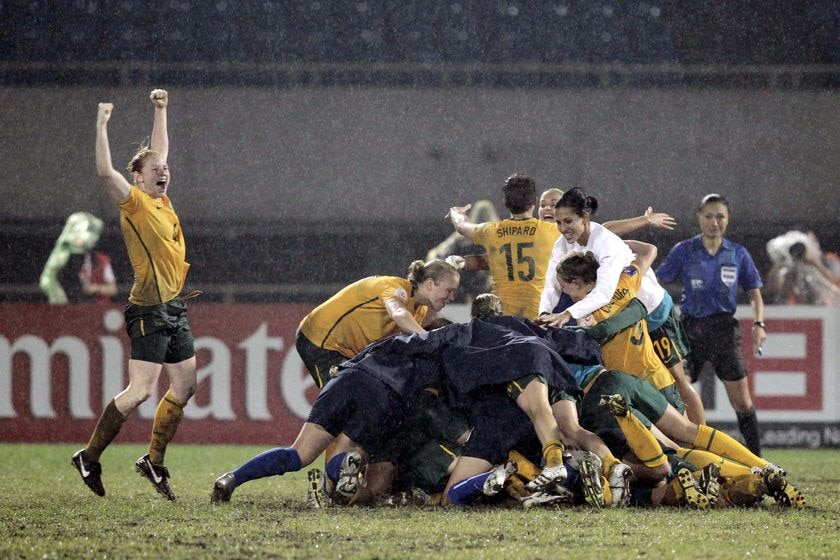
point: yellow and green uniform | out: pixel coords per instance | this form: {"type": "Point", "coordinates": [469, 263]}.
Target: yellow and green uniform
{"type": "Point", "coordinates": [156, 248]}
{"type": "Point", "coordinates": [518, 252]}
{"type": "Point", "coordinates": [631, 350]}
{"type": "Point", "coordinates": [357, 316]}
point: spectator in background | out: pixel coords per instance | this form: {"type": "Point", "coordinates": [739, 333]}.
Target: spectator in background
{"type": "Point", "coordinates": [711, 268]}
{"type": "Point", "coordinates": [96, 277]}
{"type": "Point", "coordinates": [801, 272]}
{"type": "Point", "coordinates": [456, 244]}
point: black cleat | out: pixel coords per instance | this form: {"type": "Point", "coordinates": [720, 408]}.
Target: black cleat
{"type": "Point", "coordinates": [223, 489]}
{"type": "Point", "coordinates": [157, 475]}
{"type": "Point", "coordinates": [91, 472]}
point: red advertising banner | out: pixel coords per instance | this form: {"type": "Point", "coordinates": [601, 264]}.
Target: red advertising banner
{"type": "Point", "coordinates": [60, 365]}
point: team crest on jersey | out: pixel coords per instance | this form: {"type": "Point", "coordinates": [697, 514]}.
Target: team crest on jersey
{"type": "Point", "coordinates": [401, 293]}
{"type": "Point", "coordinates": [587, 321]}
{"type": "Point", "coordinates": [728, 275]}
{"type": "Point", "coordinates": [630, 271]}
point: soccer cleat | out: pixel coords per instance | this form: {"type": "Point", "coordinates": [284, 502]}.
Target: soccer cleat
{"type": "Point", "coordinates": [223, 489]}
{"type": "Point", "coordinates": [619, 483]}
{"type": "Point", "coordinates": [498, 476]}
{"type": "Point", "coordinates": [616, 403]}
{"type": "Point", "coordinates": [587, 465]}
{"type": "Point", "coordinates": [316, 495]}
{"type": "Point", "coordinates": [708, 482]}
{"type": "Point", "coordinates": [590, 482]}
{"type": "Point", "coordinates": [770, 467]}
{"type": "Point", "coordinates": [538, 499]}
{"type": "Point", "coordinates": [411, 497]}
{"type": "Point", "coordinates": [785, 494]}
{"type": "Point", "coordinates": [350, 477]}
{"type": "Point", "coordinates": [91, 472]}
{"type": "Point", "coordinates": [548, 476]}
{"type": "Point", "coordinates": [158, 476]}
{"type": "Point", "coordinates": [692, 494]}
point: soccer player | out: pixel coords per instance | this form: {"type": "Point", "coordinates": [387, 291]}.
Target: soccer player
{"type": "Point", "coordinates": [370, 309]}
{"type": "Point", "coordinates": [156, 315]}
{"type": "Point", "coordinates": [517, 247]}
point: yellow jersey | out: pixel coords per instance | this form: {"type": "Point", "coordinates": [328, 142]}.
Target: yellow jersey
{"type": "Point", "coordinates": [518, 252]}
{"type": "Point", "coordinates": [156, 248]}
{"type": "Point", "coordinates": [631, 350]}
{"type": "Point", "coordinates": [357, 316]}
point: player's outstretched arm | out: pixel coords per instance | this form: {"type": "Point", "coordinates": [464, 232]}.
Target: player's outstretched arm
{"type": "Point", "coordinates": [115, 184]}
{"type": "Point", "coordinates": [659, 220]}
{"type": "Point", "coordinates": [160, 134]}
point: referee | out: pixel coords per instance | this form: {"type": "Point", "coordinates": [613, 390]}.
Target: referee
{"type": "Point", "coordinates": [711, 268]}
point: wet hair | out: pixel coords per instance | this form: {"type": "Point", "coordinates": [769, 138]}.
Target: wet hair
{"type": "Point", "coordinates": [486, 305]}
{"type": "Point", "coordinates": [144, 152]}
{"type": "Point", "coordinates": [711, 199]}
{"type": "Point", "coordinates": [578, 266]}
{"type": "Point", "coordinates": [437, 270]}
{"type": "Point", "coordinates": [437, 323]}
{"type": "Point", "coordinates": [578, 201]}
{"type": "Point", "coordinates": [520, 193]}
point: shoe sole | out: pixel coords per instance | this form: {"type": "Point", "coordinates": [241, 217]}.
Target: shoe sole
{"type": "Point", "coordinates": [593, 493]}
{"type": "Point", "coordinates": [785, 493]}
{"type": "Point", "coordinates": [694, 497]}
{"type": "Point", "coordinates": [314, 497]}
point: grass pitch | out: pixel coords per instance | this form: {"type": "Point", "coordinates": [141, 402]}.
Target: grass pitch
{"type": "Point", "coordinates": [47, 512]}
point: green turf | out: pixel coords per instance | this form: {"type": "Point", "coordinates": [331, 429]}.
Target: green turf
{"type": "Point", "coordinates": [46, 512]}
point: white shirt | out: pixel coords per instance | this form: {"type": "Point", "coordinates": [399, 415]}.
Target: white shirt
{"type": "Point", "coordinates": [613, 255]}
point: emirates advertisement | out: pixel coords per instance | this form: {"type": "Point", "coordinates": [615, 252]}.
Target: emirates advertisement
{"type": "Point", "coordinates": [61, 364]}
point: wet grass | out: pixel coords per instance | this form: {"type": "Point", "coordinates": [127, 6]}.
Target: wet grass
{"type": "Point", "coordinates": [46, 512]}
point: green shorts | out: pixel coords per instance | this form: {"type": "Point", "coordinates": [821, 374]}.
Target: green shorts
{"type": "Point", "coordinates": [517, 386]}
{"type": "Point", "coordinates": [669, 341]}
{"type": "Point", "coordinates": [644, 400]}
{"type": "Point", "coordinates": [161, 333]}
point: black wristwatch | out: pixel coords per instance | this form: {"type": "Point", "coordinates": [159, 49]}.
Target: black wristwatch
{"type": "Point", "coordinates": [759, 324]}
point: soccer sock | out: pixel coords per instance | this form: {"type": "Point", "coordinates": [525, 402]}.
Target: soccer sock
{"type": "Point", "coordinates": [607, 464]}
{"type": "Point", "coordinates": [275, 461]}
{"type": "Point", "coordinates": [700, 459]}
{"type": "Point", "coordinates": [641, 441]}
{"type": "Point", "coordinates": [524, 467]}
{"type": "Point", "coordinates": [553, 453]}
{"type": "Point", "coordinates": [168, 417]}
{"type": "Point", "coordinates": [333, 466]}
{"type": "Point", "coordinates": [748, 424]}
{"type": "Point", "coordinates": [515, 487]}
{"type": "Point", "coordinates": [468, 490]}
{"type": "Point", "coordinates": [106, 430]}
{"type": "Point", "coordinates": [724, 445]}
{"type": "Point", "coordinates": [743, 490]}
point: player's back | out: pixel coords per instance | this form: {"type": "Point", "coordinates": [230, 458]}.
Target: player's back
{"type": "Point", "coordinates": [518, 251]}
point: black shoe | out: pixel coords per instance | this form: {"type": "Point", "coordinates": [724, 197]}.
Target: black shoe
{"type": "Point", "coordinates": [223, 489]}
{"type": "Point", "coordinates": [91, 472]}
{"type": "Point", "coordinates": [158, 476]}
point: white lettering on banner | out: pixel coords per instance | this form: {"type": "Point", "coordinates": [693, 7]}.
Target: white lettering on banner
{"type": "Point", "coordinates": [256, 367]}
{"type": "Point", "coordinates": [40, 384]}
{"type": "Point", "coordinates": [113, 360]}
{"type": "Point", "coordinates": [218, 370]}
{"type": "Point", "coordinates": [293, 385]}
{"type": "Point", "coordinates": [831, 436]}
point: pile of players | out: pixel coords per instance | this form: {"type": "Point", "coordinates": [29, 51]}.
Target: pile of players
{"type": "Point", "coordinates": [517, 405]}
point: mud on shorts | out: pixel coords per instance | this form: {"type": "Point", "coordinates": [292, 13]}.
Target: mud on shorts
{"type": "Point", "coordinates": [161, 333]}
